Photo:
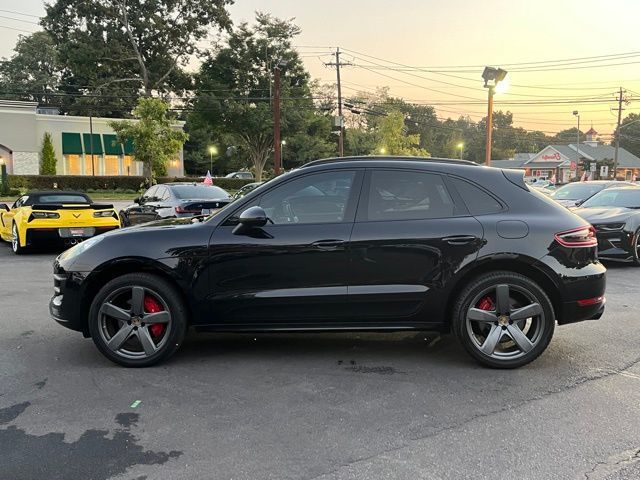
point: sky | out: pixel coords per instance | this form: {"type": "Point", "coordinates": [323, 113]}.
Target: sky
{"type": "Point", "coordinates": [451, 41]}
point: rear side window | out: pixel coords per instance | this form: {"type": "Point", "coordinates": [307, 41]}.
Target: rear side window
{"type": "Point", "coordinates": [477, 200]}
{"type": "Point", "coordinates": [407, 195]}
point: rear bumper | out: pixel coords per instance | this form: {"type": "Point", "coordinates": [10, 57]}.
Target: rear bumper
{"type": "Point", "coordinates": [577, 284]}
{"type": "Point", "coordinates": [53, 237]}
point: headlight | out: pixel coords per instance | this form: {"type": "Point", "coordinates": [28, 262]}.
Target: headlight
{"type": "Point", "coordinates": [45, 215]}
{"type": "Point", "coordinates": [104, 213]}
{"type": "Point", "coordinates": [80, 248]}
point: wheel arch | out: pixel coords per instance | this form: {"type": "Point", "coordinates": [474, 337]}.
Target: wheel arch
{"type": "Point", "coordinates": [522, 265]}
{"type": "Point", "coordinates": [116, 268]}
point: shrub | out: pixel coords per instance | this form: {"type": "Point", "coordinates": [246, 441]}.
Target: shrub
{"type": "Point", "coordinates": [98, 183]}
{"type": "Point", "coordinates": [48, 163]}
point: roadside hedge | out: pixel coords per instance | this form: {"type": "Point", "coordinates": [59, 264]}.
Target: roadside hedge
{"type": "Point", "coordinates": [88, 182]}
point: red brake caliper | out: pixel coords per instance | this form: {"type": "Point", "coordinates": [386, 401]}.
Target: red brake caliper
{"type": "Point", "coordinates": [486, 303]}
{"type": "Point", "coordinates": [151, 305]}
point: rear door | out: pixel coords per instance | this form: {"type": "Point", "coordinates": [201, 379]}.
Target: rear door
{"type": "Point", "coordinates": [412, 233]}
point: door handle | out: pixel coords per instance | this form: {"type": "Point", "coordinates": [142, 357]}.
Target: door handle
{"type": "Point", "coordinates": [460, 239]}
{"type": "Point", "coordinates": [328, 244]}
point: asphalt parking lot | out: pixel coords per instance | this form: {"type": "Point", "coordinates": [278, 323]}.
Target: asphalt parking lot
{"type": "Point", "coordinates": [310, 406]}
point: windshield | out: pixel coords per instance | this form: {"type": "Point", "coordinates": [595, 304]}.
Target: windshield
{"type": "Point", "coordinates": [615, 198]}
{"type": "Point", "coordinates": [198, 192]}
{"type": "Point", "coordinates": [577, 191]}
{"type": "Point", "coordinates": [61, 198]}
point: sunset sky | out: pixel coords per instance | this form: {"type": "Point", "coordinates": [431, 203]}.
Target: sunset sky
{"type": "Point", "coordinates": [440, 35]}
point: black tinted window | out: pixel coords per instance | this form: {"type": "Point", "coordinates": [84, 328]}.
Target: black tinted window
{"type": "Point", "coordinates": [477, 200]}
{"type": "Point", "coordinates": [61, 198]}
{"type": "Point", "coordinates": [191, 192]}
{"type": "Point", "coordinates": [319, 198]}
{"type": "Point", "coordinates": [407, 195]}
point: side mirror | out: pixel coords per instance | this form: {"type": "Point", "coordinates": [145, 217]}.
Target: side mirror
{"type": "Point", "coordinates": [3, 206]}
{"type": "Point", "coordinates": [250, 221]}
{"type": "Point", "coordinates": [253, 217]}
{"type": "Point", "coordinates": [579, 202]}
{"type": "Point", "coordinates": [137, 200]}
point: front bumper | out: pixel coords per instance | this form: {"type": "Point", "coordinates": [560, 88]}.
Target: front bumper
{"type": "Point", "coordinates": [65, 306]}
{"type": "Point", "coordinates": [615, 245]}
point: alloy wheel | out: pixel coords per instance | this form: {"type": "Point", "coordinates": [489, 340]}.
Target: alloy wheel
{"type": "Point", "coordinates": [134, 322]}
{"type": "Point", "coordinates": [15, 239]}
{"type": "Point", "coordinates": [505, 322]}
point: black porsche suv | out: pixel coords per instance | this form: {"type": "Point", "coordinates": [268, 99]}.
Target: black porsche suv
{"type": "Point", "coordinates": [371, 243]}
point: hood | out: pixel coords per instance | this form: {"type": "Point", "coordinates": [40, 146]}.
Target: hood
{"type": "Point", "coordinates": [605, 214]}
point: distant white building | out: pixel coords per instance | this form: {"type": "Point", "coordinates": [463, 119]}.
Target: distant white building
{"type": "Point", "coordinates": [563, 161]}
{"type": "Point", "coordinates": [22, 129]}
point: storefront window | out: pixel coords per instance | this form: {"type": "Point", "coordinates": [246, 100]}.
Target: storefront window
{"type": "Point", "coordinates": [111, 165]}
{"type": "Point", "coordinates": [128, 167]}
{"type": "Point", "coordinates": [73, 164]}
{"type": "Point", "coordinates": [96, 165]}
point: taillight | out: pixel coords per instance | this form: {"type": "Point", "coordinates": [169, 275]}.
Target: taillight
{"type": "Point", "coordinates": [179, 209]}
{"type": "Point", "coordinates": [577, 237]}
{"type": "Point", "coordinates": [590, 301]}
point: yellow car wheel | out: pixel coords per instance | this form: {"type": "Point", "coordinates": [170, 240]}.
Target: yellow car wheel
{"type": "Point", "coordinates": [15, 241]}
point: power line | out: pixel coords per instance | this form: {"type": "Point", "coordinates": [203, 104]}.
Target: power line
{"type": "Point", "coordinates": [16, 29]}
{"type": "Point", "coordinates": [18, 20]}
{"type": "Point", "coordinates": [19, 13]}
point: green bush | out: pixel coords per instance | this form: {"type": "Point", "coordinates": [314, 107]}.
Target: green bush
{"type": "Point", "coordinates": [48, 164]}
{"type": "Point", "coordinates": [126, 184]}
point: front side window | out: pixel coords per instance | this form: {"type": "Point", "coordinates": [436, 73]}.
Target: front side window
{"type": "Point", "coordinates": [150, 194]}
{"type": "Point", "coordinates": [317, 198]}
{"type": "Point", "coordinates": [407, 195]}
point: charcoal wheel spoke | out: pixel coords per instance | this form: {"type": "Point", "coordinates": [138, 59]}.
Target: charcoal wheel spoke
{"type": "Point", "coordinates": [159, 317]}
{"type": "Point", "coordinates": [137, 300]}
{"type": "Point", "coordinates": [529, 311]}
{"type": "Point", "coordinates": [118, 313]}
{"type": "Point", "coordinates": [503, 305]}
{"type": "Point", "coordinates": [518, 336]}
{"type": "Point", "coordinates": [479, 315]}
{"type": "Point", "coordinates": [146, 341]}
{"type": "Point", "coordinates": [492, 340]}
{"type": "Point", "coordinates": [120, 337]}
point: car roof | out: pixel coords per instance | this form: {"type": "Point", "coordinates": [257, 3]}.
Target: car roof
{"type": "Point", "coordinates": [55, 192]}
{"type": "Point", "coordinates": [387, 159]}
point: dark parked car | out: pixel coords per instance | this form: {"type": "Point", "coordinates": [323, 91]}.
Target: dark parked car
{"type": "Point", "coordinates": [615, 214]}
{"type": "Point", "coordinates": [573, 194]}
{"type": "Point", "coordinates": [249, 187]}
{"type": "Point", "coordinates": [345, 244]}
{"type": "Point", "coordinates": [241, 175]}
{"type": "Point", "coordinates": [174, 200]}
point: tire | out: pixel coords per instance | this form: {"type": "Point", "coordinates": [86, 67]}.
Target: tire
{"type": "Point", "coordinates": [124, 222]}
{"type": "Point", "coordinates": [120, 332]}
{"type": "Point", "coordinates": [15, 241]}
{"type": "Point", "coordinates": [635, 254]}
{"type": "Point", "coordinates": [485, 327]}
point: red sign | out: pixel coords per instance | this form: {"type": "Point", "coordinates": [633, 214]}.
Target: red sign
{"type": "Point", "coordinates": [573, 166]}
{"type": "Point", "coordinates": [553, 156]}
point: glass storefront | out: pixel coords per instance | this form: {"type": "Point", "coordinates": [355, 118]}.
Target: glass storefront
{"type": "Point", "coordinates": [73, 164]}
{"type": "Point", "coordinates": [112, 165]}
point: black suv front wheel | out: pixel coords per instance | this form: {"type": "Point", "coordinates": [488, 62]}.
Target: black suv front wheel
{"type": "Point", "coordinates": [137, 320]}
{"type": "Point", "coordinates": [503, 319]}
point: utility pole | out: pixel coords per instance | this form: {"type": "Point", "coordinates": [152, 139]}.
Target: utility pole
{"type": "Point", "coordinates": [615, 156]}
{"type": "Point", "coordinates": [339, 64]}
{"type": "Point", "coordinates": [276, 121]}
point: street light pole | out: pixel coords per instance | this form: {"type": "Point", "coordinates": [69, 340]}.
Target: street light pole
{"type": "Point", "coordinates": [495, 76]}
{"type": "Point", "coordinates": [487, 156]}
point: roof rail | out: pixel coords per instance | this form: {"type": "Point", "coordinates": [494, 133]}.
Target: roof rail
{"type": "Point", "coordinates": [387, 158]}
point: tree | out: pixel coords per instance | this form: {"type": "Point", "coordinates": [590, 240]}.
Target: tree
{"type": "Point", "coordinates": [48, 161]}
{"type": "Point", "coordinates": [392, 137]}
{"type": "Point", "coordinates": [116, 50]}
{"type": "Point", "coordinates": [569, 136]}
{"type": "Point", "coordinates": [156, 139]}
{"type": "Point", "coordinates": [32, 71]}
{"type": "Point", "coordinates": [233, 101]}
{"type": "Point", "coordinates": [630, 134]}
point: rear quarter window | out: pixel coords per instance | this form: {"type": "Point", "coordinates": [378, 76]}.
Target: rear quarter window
{"type": "Point", "coordinates": [478, 201]}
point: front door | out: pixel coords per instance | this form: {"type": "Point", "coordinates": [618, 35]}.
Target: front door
{"type": "Point", "coordinates": [294, 269]}
{"type": "Point", "coordinates": [411, 234]}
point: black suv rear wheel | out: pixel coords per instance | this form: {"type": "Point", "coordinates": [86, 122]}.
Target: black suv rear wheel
{"type": "Point", "coordinates": [503, 319]}
{"type": "Point", "coordinates": [137, 320]}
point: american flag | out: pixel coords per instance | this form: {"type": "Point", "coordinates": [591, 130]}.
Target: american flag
{"type": "Point", "coordinates": [208, 180]}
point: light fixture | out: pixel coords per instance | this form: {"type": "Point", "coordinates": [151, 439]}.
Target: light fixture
{"type": "Point", "coordinates": [492, 74]}
{"type": "Point", "coordinates": [492, 77]}
{"type": "Point", "coordinates": [383, 150]}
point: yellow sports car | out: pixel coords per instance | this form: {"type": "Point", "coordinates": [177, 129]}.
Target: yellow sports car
{"type": "Point", "coordinates": [54, 218]}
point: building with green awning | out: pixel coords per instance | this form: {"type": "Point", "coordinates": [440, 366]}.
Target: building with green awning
{"type": "Point", "coordinates": [24, 125]}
